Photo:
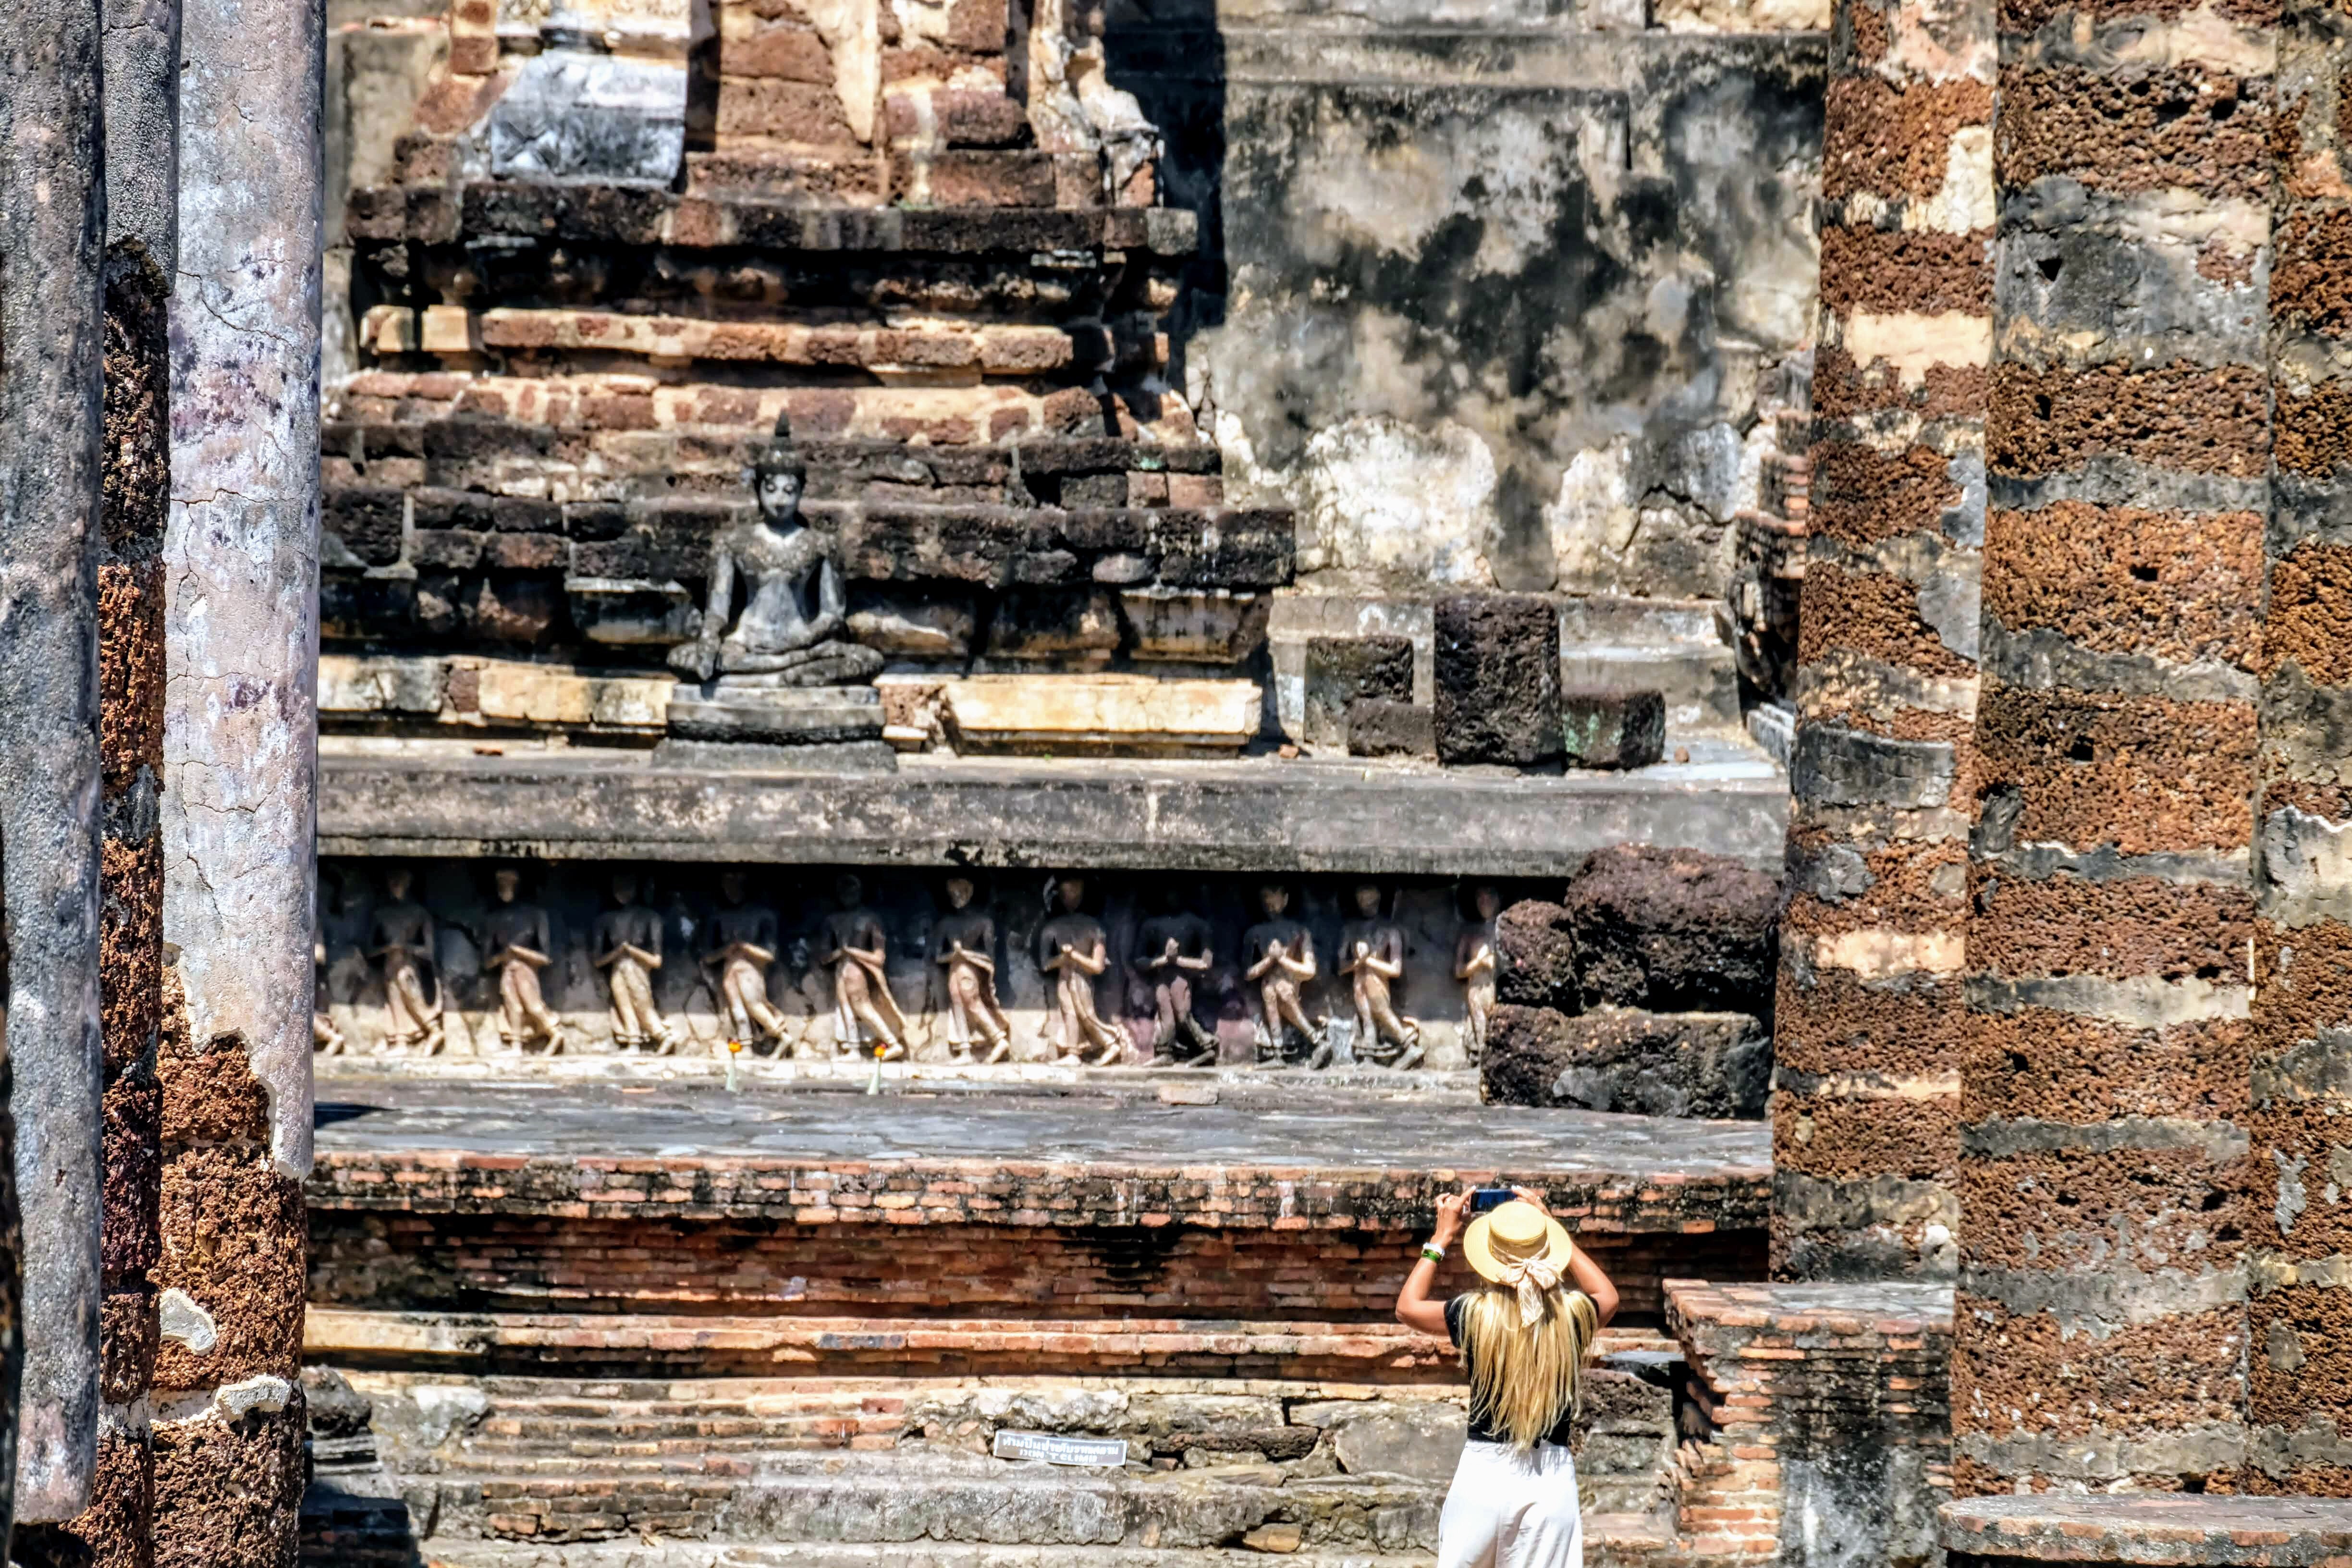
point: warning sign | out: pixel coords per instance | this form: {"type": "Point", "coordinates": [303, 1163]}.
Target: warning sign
{"type": "Point", "coordinates": [1100, 1452]}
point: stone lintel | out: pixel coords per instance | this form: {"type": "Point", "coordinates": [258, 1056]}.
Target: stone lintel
{"type": "Point", "coordinates": [1025, 1160]}
{"type": "Point", "coordinates": [1252, 815]}
{"type": "Point", "coordinates": [1711, 1196]}
{"type": "Point", "coordinates": [2240, 1531]}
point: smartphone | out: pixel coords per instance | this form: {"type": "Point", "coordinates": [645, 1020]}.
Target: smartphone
{"type": "Point", "coordinates": [1485, 1198]}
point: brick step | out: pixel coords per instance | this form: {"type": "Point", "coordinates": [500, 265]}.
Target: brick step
{"type": "Point", "coordinates": [501, 1419]}
{"type": "Point", "coordinates": [712, 1472]}
{"type": "Point", "coordinates": [554, 215]}
{"type": "Point", "coordinates": [617, 416]}
{"type": "Point", "coordinates": [925, 1496]}
{"type": "Point", "coordinates": [1620, 1547]}
{"type": "Point", "coordinates": [929, 346]}
{"type": "Point", "coordinates": [537, 1458]}
{"type": "Point", "coordinates": [642, 1345]}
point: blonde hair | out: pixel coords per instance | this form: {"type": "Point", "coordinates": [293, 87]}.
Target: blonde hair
{"type": "Point", "coordinates": [1524, 1378]}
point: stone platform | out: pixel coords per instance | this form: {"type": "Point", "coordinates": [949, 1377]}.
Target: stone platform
{"type": "Point", "coordinates": [795, 1317]}
{"type": "Point", "coordinates": [1100, 1158]}
{"type": "Point", "coordinates": [432, 797]}
{"type": "Point", "coordinates": [360, 1077]}
{"type": "Point", "coordinates": [2192, 1531]}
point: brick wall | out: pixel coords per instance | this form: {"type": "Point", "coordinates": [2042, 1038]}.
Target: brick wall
{"type": "Point", "coordinates": [2104, 1173]}
{"type": "Point", "coordinates": [1027, 1196]}
{"type": "Point", "coordinates": [2300, 1400]}
{"type": "Point", "coordinates": [1865, 1138]}
{"type": "Point", "coordinates": [521, 1263]}
{"type": "Point", "coordinates": [1818, 1430]}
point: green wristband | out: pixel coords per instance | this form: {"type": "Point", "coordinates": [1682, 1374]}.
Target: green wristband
{"type": "Point", "coordinates": [1433, 1252]}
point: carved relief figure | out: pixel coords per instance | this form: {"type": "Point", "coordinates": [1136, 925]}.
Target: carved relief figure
{"type": "Point", "coordinates": [963, 948]}
{"type": "Point", "coordinates": [862, 1007]}
{"type": "Point", "coordinates": [1372, 958]}
{"type": "Point", "coordinates": [515, 947]}
{"type": "Point", "coordinates": [1279, 958]}
{"type": "Point", "coordinates": [746, 940]}
{"type": "Point", "coordinates": [401, 935]}
{"type": "Point", "coordinates": [1174, 954]}
{"type": "Point", "coordinates": [327, 1040]}
{"type": "Point", "coordinates": [1474, 965]}
{"type": "Point", "coordinates": [1072, 951]}
{"type": "Point", "coordinates": [628, 946]}
{"type": "Point", "coordinates": [775, 608]}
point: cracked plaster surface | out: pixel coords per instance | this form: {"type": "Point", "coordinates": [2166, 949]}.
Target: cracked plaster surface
{"type": "Point", "coordinates": [242, 547]}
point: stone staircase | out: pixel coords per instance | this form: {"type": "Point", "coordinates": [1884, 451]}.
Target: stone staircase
{"type": "Point", "coordinates": [732, 1376]}
{"type": "Point", "coordinates": [906, 1462]}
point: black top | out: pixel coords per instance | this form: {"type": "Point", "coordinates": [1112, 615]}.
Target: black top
{"type": "Point", "coordinates": [1480, 1432]}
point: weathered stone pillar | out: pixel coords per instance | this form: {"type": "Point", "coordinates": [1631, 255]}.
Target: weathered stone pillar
{"type": "Point", "coordinates": [239, 797]}
{"type": "Point", "coordinates": [141, 67]}
{"type": "Point", "coordinates": [1869, 1017]}
{"type": "Point", "coordinates": [52, 237]}
{"type": "Point", "coordinates": [2301, 1273]}
{"type": "Point", "coordinates": [2101, 1320]}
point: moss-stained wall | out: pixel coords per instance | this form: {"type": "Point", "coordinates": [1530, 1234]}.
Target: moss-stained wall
{"type": "Point", "coordinates": [1498, 299]}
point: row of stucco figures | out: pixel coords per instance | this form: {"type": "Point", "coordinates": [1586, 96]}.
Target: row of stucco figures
{"type": "Point", "coordinates": [1181, 994]}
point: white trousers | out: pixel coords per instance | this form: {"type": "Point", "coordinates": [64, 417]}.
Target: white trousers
{"type": "Point", "coordinates": [1510, 1507]}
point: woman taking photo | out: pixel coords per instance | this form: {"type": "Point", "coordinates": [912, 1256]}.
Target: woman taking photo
{"type": "Point", "coordinates": [1524, 1335]}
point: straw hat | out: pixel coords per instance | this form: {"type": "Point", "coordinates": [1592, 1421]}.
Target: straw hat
{"type": "Point", "coordinates": [1510, 1235]}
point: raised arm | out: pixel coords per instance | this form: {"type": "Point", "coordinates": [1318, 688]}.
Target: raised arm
{"type": "Point", "coordinates": [1582, 1272]}
{"type": "Point", "coordinates": [1416, 1309]}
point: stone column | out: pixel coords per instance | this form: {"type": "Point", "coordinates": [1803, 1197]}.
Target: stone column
{"type": "Point", "coordinates": [141, 67]}
{"type": "Point", "coordinates": [52, 234]}
{"type": "Point", "coordinates": [2301, 1268]}
{"type": "Point", "coordinates": [2101, 1318]}
{"type": "Point", "coordinates": [239, 798]}
{"type": "Point", "coordinates": [1869, 1017]}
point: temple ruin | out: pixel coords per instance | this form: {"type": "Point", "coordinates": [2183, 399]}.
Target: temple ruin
{"type": "Point", "coordinates": [783, 776]}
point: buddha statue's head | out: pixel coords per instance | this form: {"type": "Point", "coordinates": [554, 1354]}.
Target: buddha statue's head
{"type": "Point", "coordinates": [780, 477]}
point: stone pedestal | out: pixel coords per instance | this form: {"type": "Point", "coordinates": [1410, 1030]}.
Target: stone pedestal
{"type": "Point", "coordinates": [828, 729]}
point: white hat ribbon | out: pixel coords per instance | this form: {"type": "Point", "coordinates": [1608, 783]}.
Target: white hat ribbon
{"type": "Point", "coordinates": [1534, 1279]}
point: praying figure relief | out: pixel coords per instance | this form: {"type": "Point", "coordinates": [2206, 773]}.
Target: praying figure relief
{"type": "Point", "coordinates": [325, 1038]}
{"type": "Point", "coordinates": [515, 947]}
{"type": "Point", "coordinates": [628, 950]}
{"type": "Point", "coordinates": [1279, 955]}
{"type": "Point", "coordinates": [862, 1007]}
{"type": "Point", "coordinates": [401, 936]}
{"type": "Point", "coordinates": [1474, 965]}
{"type": "Point", "coordinates": [1372, 958]}
{"type": "Point", "coordinates": [1072, 951]}
{"type": "Point", "coordinates": [1174, 954]}
{"type": "Point", "coordinates": [963, 948]}
{"type": "Point", "coordinates": [746, 938]}
{"type": "Point", "coordinates": [785, 630]}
